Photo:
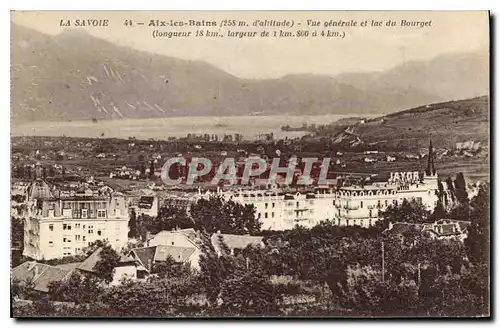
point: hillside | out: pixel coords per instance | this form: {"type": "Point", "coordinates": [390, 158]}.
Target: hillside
{"type": "Point", "coordinates": [446, 123]}
{"type": "Point", "coordinates": [75, 76]}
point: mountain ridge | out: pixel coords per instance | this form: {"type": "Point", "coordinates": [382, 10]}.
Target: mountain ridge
{"type": "Point", "coordinates": [75, 76]}
{"type": "Point", "coordinates": [445, 123]}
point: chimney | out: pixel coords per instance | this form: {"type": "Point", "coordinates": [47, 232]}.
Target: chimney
{"type": "Point", "coordinates": [149, 264]}
{"type": "Point", "coordinates": [390, 225]}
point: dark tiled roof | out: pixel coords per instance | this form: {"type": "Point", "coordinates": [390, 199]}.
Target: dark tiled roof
{"type": "Point", "coordinates": [144, 254]}
{"type": "Point", "coordinates": [69, 266]}
{"type": "Point", "coordinates": [41, 274]}
{"type": "Point", "coordinates": [50, 275]}
{"type": "Point", "coordinates": [90, 262]}
{"type": "Point", "coordinates": [160, 253]}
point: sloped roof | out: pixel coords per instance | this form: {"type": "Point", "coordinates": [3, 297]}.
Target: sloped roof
{"type": "Point", "coordinates": [126, 259]}
{"type": "Point", "coordinates": [69, 266]}
{"type": "Point", "coordinates": [145, 254]}
{"type": "Point", "coordinates": [160, 253]}
{"type": "Point", "coordinates": [190, 235]}
{"type": "Point", "coordinates": [179, 254]}
{"type": "Point", "coordinates": [41, 274]}
{"type": "Point", "coordinates": [90, 262]}
{"type": "Point", "coordinates": [236, 241]}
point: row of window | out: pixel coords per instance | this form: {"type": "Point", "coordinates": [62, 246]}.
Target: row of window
{"type": "Point", "coordinates": [51, 243]}
{"type": "Point", "coordinates": [273, 205]}
{"type": "Point", "coordinates": [355, 222]}
{"type": "Point", "coordinates": [365, 193]}
{"type": "Point", "coordinates": [379, 204]}
{"type": "Point", "coordinates": [395, 202]}
{"type": "Point", "coordinates": [76, 205]}
{"type": "Point", "coordinates": [67, 226]}
{"type": "Point", "coordinates": [266, 215]}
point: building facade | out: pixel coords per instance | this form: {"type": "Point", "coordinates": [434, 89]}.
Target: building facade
{"type": "Point", "coordinates": [58, 227]}
{"type": "Point", "coordinates": [359, 205]}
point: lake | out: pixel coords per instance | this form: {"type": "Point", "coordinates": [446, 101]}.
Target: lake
{"type": "Point", "coordinates": [162, 128]}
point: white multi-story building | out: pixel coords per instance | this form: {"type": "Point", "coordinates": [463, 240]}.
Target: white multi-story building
{"type": "Point", "coordinates": [361, 205]}
{"type": "Point", "coordinates": [347, 205]}
{"type": "Point", "coordinates": [281, 210]}
{"type": "Point", "coordinates": [58, 227]}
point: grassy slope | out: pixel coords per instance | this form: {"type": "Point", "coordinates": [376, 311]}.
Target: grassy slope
{"type": "Point", "coordinates": [444, 123]}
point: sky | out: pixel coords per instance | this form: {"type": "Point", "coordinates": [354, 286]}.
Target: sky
{"type": "Point", "coordinates": [362, 49]}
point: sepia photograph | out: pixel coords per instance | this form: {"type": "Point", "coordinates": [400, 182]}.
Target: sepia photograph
{"type": "Point", "coordinates": [250, 164]}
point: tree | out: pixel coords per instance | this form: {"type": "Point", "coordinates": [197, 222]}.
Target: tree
{"type": "Point", "coordinates": [171, 269]}
{"type": "Point", "coordinates": [439, 211]}
{"type": "Point", "coordinates": [132, 225]}
{"type": "Point", "coordinates": [76, 288]}
{"type": "Point", "coordinates": [152, 169]}
{"type": "Point", "coordinates": [93, 246]}
{"type": "Point", "coordinates": [477, 282]}
{"type": "Point", "coordinates": [170, 218]}
{"type": "Point", "coordinates": [165, 297]}
{"type": "Point", "coordinates": [249, 293]}
{"type": "Point", "coordinates": [105, 267]}
{"type": "Point", "coordinates": [461, 189]}
{"type": "Point", "coordinates": [216, 214]}
{"type": "Point", "coordinates": [145, 224]}
{"type": "Point", "coordinates": [477, 242]}
{"type": "Point", "coordinates": [131, 244]}
{"type": "Point", "coordinates": [42, 306]}
{"type": "Point", "coordinates": [365, 291]}
{"type": "Point", "coordinates": [408, 211]}
{"type": "Point", "coordinates": [16, 232]}
{"type": "Point", "coordinates": [451, 189]}
{"type": "Point", "coordinates": [214, 268]}
{"type": "Point", "coordinates": [15, 287]}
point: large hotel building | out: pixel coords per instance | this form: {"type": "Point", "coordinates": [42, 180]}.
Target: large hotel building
{"type": "Point", "coordinates": [345, 206]}
{"type": "Point", "coordinates": [55, 227]}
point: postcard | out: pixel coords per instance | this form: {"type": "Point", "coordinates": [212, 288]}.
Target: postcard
{"type": "Point", "coordinates": [221, 164]}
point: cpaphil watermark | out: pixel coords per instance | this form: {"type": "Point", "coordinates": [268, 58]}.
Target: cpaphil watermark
{"type": "Point", "coordinates": [306, 171]}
